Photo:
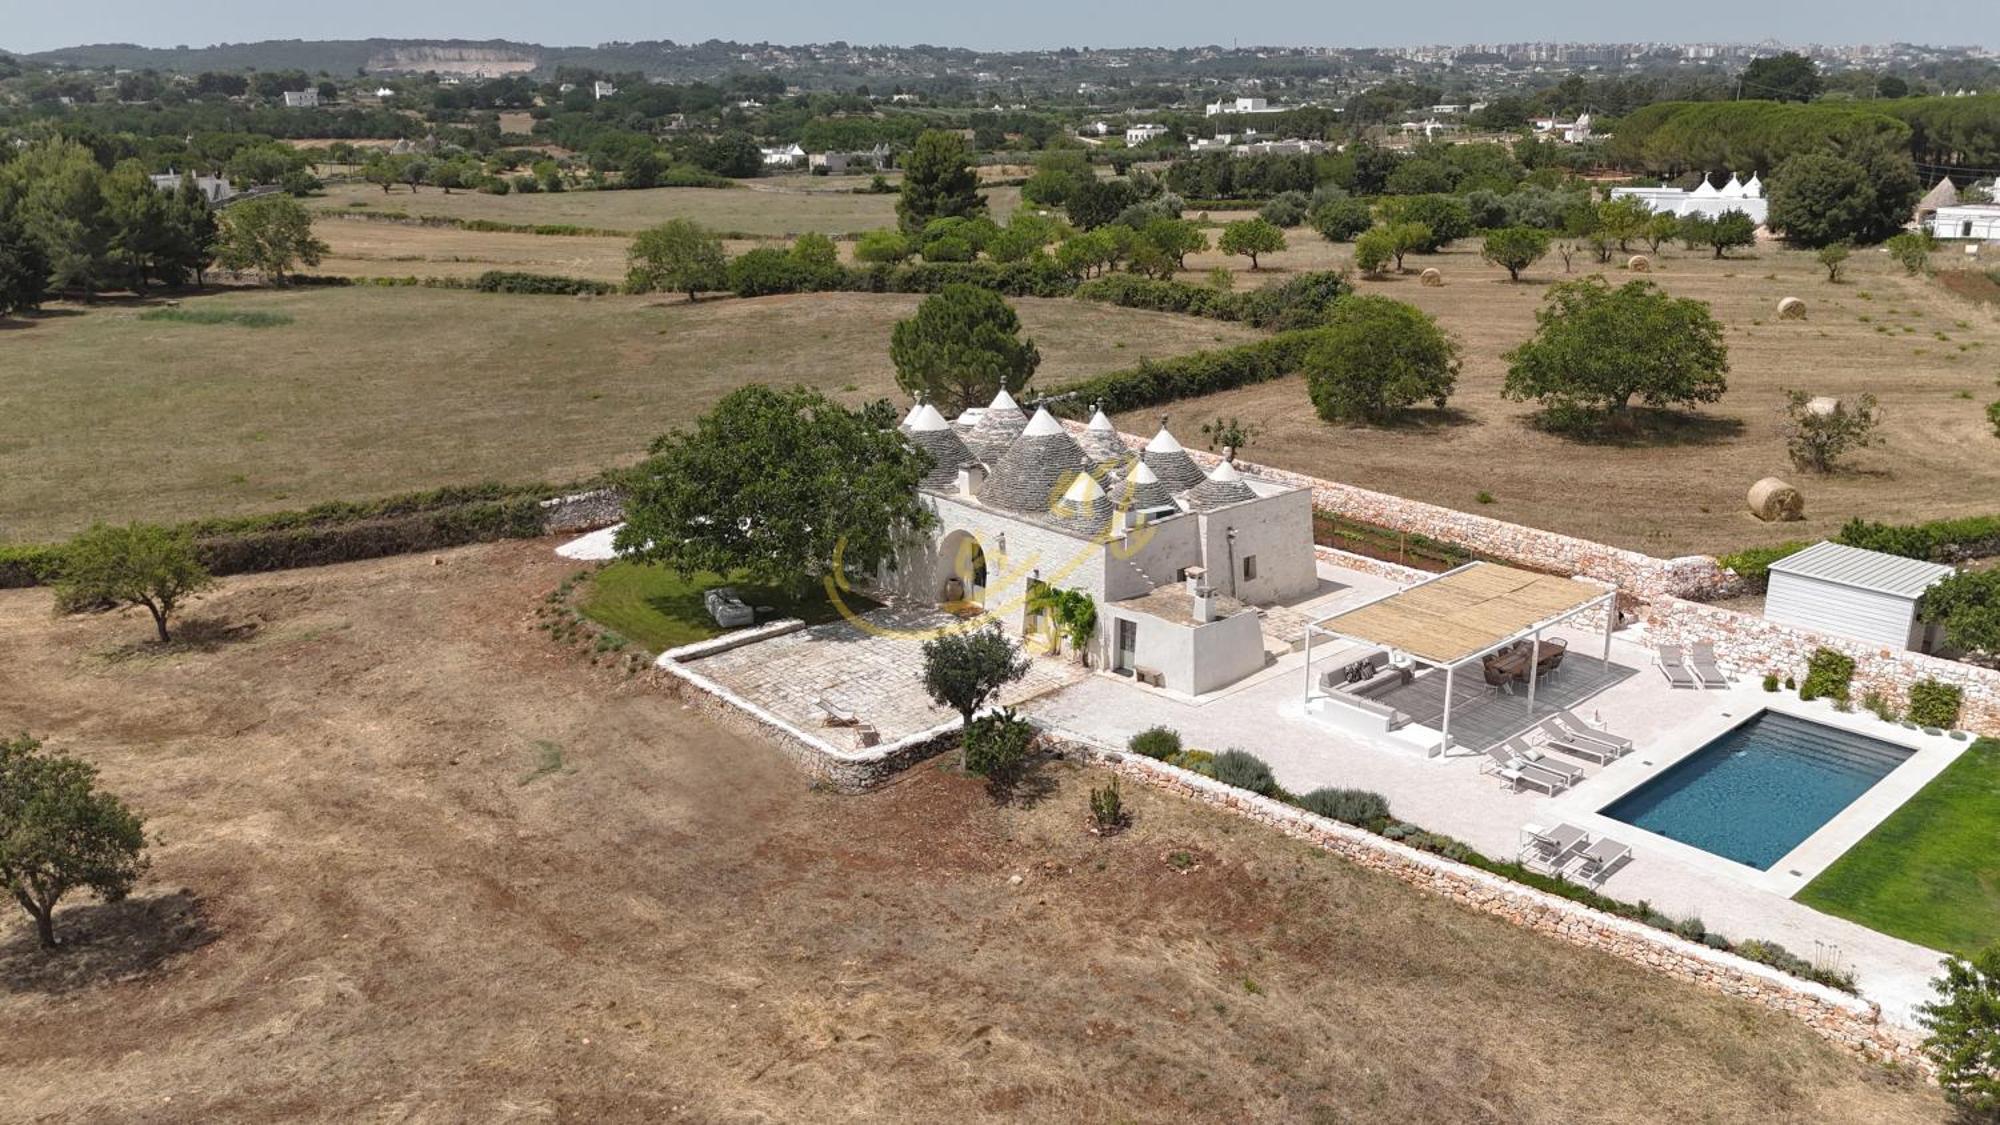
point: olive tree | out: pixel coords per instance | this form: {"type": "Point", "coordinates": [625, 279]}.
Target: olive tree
{"type": "Point", "coordinates": [964, 670]}
{"type": "Point", "coordinates": [1378, 357]}
{"type": "Point", "coordinates": [1251, 237]}
{"type": "Point", "coordinates": [138, 564]}
{"type": "Point", "coordinates": [59, 833]}
{"type": "Point", "coordinates": [1515, 249]}
{"type": "Point", "coordinates": [1597, 348]}
{"type": "Point", "coordinates": [678, 256]}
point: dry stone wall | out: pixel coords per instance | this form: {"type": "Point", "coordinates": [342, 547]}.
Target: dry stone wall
{"type": "Point", "coordinates": [1755, 646]}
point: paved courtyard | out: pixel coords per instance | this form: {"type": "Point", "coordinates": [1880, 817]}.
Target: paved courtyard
{"type": "Point", "coordinates": [871, 668]}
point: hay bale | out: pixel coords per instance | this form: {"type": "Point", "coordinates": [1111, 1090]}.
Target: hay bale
{"type": "Point", "coordinates": [1773, 500]}
{"type": "Point", "coordinates": [1791, 308]}
{"type": "Point", "coordinates": [1639, 263]}
{"type": "Point", "coordinates": [1824, 406]}
{"type": "Point", "coordinates": [1432, 278]}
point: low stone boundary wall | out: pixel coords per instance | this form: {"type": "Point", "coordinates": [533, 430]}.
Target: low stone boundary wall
{"type": "Point", "coordinates": [1848, 1021]}
{"type": "Point", "coordinates": [1756, 646]}
{"type": "Point", "coordinates": [1348, 560]}
{"type": "Point", "coordinates": [582, 511]}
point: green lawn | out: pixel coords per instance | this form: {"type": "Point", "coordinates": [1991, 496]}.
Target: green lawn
{"type": "Point", "coordinates": [658, 609]}
{"type": "Point", "coordinates": [1931, 872]}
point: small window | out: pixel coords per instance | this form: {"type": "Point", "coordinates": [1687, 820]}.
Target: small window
{"type": "Point", "coordinates": [1249, 567]}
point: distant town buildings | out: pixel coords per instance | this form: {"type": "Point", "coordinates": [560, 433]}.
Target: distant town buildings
{"type": "Point", "coordinates": [1572, 132]}
{"type": "Point", "coordinates": [1137, 135]}
{"type": "Point", "coordinates": [301, 99]}
{"type": "Point", "coordinates": [1243, 105]}
{"type": "Point", "coordinates": [602, 90]}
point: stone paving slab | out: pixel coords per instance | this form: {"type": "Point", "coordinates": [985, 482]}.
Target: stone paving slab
{"type": "Point", "coordinates": [871, 667]}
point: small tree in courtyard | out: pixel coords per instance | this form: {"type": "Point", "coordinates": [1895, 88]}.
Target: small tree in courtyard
{"type": "Point", "coordinates": [965, 670]}
{"type": "Point", "coordinates": [1596, 349]}
{"type": "Point", "coordinates": [139, 564]}
{"type": "Point", "coordinates": [1515, 249]}
{"type": "Point", "coordinates": [678, 256]}
{"type": "Point", "coordinates": [1818, 433]}
{"type": "Point", "coordinates": [1378, 357]}
{"type": "Point", "coordinates": [1250, 237]}
{"type": "Point", "coordinates": [963, 345]}
{"type": "Point", "coordinates": [58, 833]}
{"type": "Point", "coordinates": [1964, 1026]}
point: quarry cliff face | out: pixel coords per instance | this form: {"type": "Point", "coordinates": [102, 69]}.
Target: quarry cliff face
{"type": "Point", "coordinates": [453, 60]}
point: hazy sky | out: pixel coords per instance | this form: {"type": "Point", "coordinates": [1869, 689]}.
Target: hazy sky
{"type": "Point", "coordinates": [34, 25]}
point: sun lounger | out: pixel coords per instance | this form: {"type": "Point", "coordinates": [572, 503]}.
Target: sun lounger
{"type": "Point", "coordinates": [1516, 772]}
{"type": "Point", "coordinates": [1575, 747]}
{"type": "Point", "coordinates": [1593, 865]}
{"type": "Point", "coordinates": [1674, 666]}
{"type": "Point", "coordinates": [1701, 660]}
{"type": "Point", "coordinates": [1518, 746]}
{"type": "Point", "coordinates": [1580, 731]}
{"type": "Point", "coordinates": [833, 714]}
{"type": "Point", "coordinates": [1548, 849]}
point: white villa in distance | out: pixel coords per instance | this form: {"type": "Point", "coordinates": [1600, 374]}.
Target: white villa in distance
{"type": "Point", "coordinates": [1177, 559]}
{"type": "Point", "coordinates": [1243, 105]}
{"type": "Point", "coordinates": [1136, 135]}
{"type": "Point", "coordinates": [1746, 196]}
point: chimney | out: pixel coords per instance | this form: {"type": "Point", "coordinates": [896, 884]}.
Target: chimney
{"type": "Point", "coordinates": [1196, 576]}
{"type": "Point", "coordinates": [1204, 605]}
{"type": "Point", "coordinates": [970, 477]}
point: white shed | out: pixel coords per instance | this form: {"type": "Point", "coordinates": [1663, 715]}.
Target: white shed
{"type": "Point", "coordinates": [1855, 593]}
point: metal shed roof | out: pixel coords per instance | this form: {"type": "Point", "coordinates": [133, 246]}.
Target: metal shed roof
{"type": "Point", "coordinates": [1863, 569]}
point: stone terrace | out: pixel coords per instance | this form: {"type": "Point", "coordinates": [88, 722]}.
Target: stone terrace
{"type": "Point", "coordinates": [872, 667]}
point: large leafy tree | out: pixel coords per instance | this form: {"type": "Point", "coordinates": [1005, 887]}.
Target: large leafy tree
{"type": "Point", "coordinates": [938, 182]}
{"type": "Point", "coordinates": [138, 564]}
{"type": "Point", "coordinates": [1596, 349]}
{"type": "Point", "coordinates": [1964, 1026]}
{"type": "Point", "coordinates": [1721, 233]}
{"type": "Point", "coordinates": [965, 670]}
{"type": "Point", "coordinates": [58, 833]}
{"type": "Point", "coordinates": [1967, 604]}
{"type": "Point", "coordinates": [1377, 358]}
{"type": "Point", "coordinates": [24, 269]}
{"type": "Point", "coordinates": [1788, 77]}
{"type": "Point", "coordinates": [271, 235]}
{"type": "Point", "coordinates": [1862, 194]}
{"type": "Point", "coordinates": [678, 256]}
{"type": "Point", "coordinates": [961, 348]}
{"type": "Point", "coordinates": [1250, 237]}
{"type": "Point", "coordinates": [56, 191]}
{"type": "Point", "coordinates": [786, 485]}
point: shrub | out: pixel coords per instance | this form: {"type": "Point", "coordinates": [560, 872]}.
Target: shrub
{"type": "Point", "coordinates": [511, 281]}
{"type": "Point", "coordinates": [1244, 770]}
{"type": "Point", "coordinates": [1195, 761]}
{"type": "Point", "coordinates": [1200, 373]}
{"type": "Point", "coordinates": [1828, 674]}
{"type": "Point", "coordinates": [764, 271]}
{"type": "Point", "coordinates": [1300, 301]}
{"type": "Point", "coordinates": [1159, 743]}
{"type": "Point", "coordinates": [1373, 250]}
{"type": "Point", "coordinates": [1770, 681]}
{"type": "Point", "coordinates": [1351, 806]}
{"type": "Point", "coordinates": [1286, 209]}
{"type": "Point", "coordinates": [1817, 439]}
{"type": "Point", "coordinates": [1341, 220]}
{"type": "Point", "coordinates": [1879, 704]}
{"type": "Point", "coordinates": [1754, 564]}
{"type": "Point", "coordinates": [1107, 808]}
{"type": "Point", "coordinates": [1993, 416]}
{"type": "Point", "coordinates": [1446, 217]}
{"type": "Point", "coordinates": [1934, 704]}
{"type": "Point", "coordinates": [997, 743]}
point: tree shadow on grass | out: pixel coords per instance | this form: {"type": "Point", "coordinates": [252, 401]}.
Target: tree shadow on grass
{"type": "Point", "coordinates": [195, 634]}
{"type": "Point", "coordinates": [1646, 428]}
{"type": "Point", "coordinates": [102, 943]}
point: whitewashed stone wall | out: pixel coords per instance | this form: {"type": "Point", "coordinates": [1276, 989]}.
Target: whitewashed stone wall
{"type": "Point", "coordinates": [1848, 1021]}
{"type": "Point", "coordinates": [1754, 646]}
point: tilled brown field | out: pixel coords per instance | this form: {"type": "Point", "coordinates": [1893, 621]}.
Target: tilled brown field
{"type": "Point", "coordinates": [377, 897]}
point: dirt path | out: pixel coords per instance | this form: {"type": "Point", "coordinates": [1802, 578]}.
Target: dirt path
{"type": "Point", "coordinates": [377, 896]}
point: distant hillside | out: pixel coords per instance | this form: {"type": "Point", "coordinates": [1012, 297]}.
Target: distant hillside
{"type": "Point", "coordinates": [335, 56]}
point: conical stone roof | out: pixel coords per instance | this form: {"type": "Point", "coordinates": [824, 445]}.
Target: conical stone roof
{"type": "Point", "coordinates": [1036, 469]}
{"type": "Point", "coordinates": [1142, 493]}
{"type": "Point", "coordinates": [1945, 194]}
{"type": "Point", "coordinates": [930, 432]}
{"type": "Point", "coordinates": [1101, 442]}
{"type": "Point", "coordinates": [1083, 507]}
{"type": "Point", "coordinates": [999, 424]}
{"type": "Point", "coordinates": [1171, 463]}
{"type": "Point", "coordinates": [1222, 487]}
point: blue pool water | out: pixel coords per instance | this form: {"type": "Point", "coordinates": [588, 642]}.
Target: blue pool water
{"type": "Point", "coordinates": [1758, 791]}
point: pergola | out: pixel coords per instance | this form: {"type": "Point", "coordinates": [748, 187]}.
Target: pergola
{"type": "Point", "coordinates": [1463, 615]}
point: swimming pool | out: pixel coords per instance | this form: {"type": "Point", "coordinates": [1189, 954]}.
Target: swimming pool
{"type": "Point", "coordinates": [1759, 790]}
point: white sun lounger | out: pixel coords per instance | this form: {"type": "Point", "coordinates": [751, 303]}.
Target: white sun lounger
{"type": "Point", "coordinates": [1547, 850]}
{"type": "Point", "coordinates": [1568, 734]}
{"type": "Point", "coordinates": [1701, 660]}
{"type": "Point", "coordinates": [1673, 666]}
{"type": "Point", "coordinates": [1593, 864]}
{"type": "Point", "coordinates": [1518, 746]}
{"type": "Point", "coordinates": [1517, 772]}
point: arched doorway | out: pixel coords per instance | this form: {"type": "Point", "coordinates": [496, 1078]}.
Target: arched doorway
{"type": "Point", "coordinates": [964, 569]}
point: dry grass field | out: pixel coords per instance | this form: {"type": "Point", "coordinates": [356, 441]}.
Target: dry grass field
{"type": "Point", "coordinates": [773, 207]}
{"type": "Point", "coordinates": [373, 391]}
{"type": "Point", "coordinates": [1930, 356]}
{"type": "Point", "coordinates": [413, 864]}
